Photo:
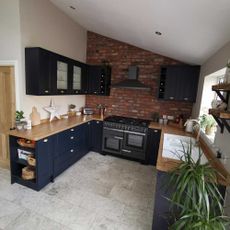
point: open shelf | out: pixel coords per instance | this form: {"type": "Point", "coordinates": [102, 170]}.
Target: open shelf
{"type": "Point", "coordinates": [220, 113]}
{"type": "Point", "coordinates": [221, 87]}
{"type": "Point", "coordinates": [222, 118]}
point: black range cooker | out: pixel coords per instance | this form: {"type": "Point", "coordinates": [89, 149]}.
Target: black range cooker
{"type": "Point", "coordinates": [126, 137]}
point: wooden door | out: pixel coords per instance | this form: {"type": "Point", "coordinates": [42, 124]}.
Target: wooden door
{"type": "Point", "coordinates": [7, 111]}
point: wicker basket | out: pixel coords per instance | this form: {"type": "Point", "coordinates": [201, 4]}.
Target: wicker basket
{"type": "Point", "coordinates": [31, 160]}
{"type": "Point", "coordinates": [28, 173]}
{"type": "Point", "coordinates": [26, 143]}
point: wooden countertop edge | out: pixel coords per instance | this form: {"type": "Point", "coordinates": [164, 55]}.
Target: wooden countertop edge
{"type": "Point", "coordinates": [167, 164]}
{"type": "Point", "coordinates": [47, 129]}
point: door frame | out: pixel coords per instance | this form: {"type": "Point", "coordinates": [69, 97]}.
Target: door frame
{"type": "Point", "coordinates": [14, 63]}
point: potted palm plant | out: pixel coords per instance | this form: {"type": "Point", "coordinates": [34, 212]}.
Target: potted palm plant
{"type": "Point", "coordinates": [196, 201]}
{"type": "Point", "coordinates": [208, 123]}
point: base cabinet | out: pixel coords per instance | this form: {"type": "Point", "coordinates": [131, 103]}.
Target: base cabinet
{"type": "Point", "coordinates": [161, 217]}
{"type": "Point", "coordinates": [153, 141]}
{"type": "Point", "coordinates": [43, 154]}
{"type": "Point", "coordinates": [54, 154]}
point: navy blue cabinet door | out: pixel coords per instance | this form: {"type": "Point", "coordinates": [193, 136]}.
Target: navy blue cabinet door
{"type": "Point", "coordinates": [44, 157]}
{"type": "Point", "coordinates": [38, 71]}
{"type": "Point", "coordinates": [179, 83]}
{"type": "Point", "coordinates": [153, 142]}
{"type": "Point", "coordinates": [99, 80]}
{"type": "Point", "coordinates": [96, 132]}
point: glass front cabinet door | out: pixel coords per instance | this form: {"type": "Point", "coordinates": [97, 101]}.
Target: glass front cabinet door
{"type": "Point", "coordinates": [76, 85]}
{"type": "Point", "coordinates": [78, 79]}
{"type": "Point", "coordinates": [62, 77]}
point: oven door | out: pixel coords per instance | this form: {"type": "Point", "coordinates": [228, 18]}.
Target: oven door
{"type": "Point", "coordinates": [112, 140]}
{"type": "Point", "coordinates": [134, 141]}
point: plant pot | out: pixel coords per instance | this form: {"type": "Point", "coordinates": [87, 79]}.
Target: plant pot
{"type": "Point", "coordinates": [209, 130]}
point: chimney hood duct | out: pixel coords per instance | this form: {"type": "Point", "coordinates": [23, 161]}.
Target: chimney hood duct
{"type": "Point", "coordinates": [132, 81]}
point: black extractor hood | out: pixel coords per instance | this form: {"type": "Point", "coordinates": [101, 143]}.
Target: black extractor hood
{"type": "Point", "coordinates": [132, 81]}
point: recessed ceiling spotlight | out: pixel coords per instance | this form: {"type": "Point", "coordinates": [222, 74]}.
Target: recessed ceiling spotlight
{"type": "Point", "coordinates": [72, 7]}
{"type": "Point", "coordinates": [158, 33]}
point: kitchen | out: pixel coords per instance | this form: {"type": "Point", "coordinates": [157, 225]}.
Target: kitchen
{"type": "Point", "coordinates": [92, 48]}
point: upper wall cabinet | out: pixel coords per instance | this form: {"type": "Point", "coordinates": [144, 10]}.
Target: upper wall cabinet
{"type": "Point", "coordinates": [99, 80]}
{"type": "Point", "coordinates": [179, 83]}
{"type": "Point", "coordinates": [48, 73]}
{"type": "Point", "coordinates": [38, 65]}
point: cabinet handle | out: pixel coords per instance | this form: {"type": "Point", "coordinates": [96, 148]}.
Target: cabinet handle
{"type": "Point", "coordinates": [185, 98]}
{"type": "Point", "coordinates": [46, 91]}
{"type": "Point", "coordinates": [71, 138]}
{"type": "Point", "coordinates": [171, 98]}
{"type": "Point", "coordinates": [118, 138]}
{"type": "Point", "coordinates": [45, 140]}
{"type": "Point", "coordinates": [127, 151]}
{"type": "Point", "coordinates": [97, 122]}
{"type": "Point", "coordinates": [155, 131]}
{"type": "Point", "coordinates": [71, 150]}
{"type": "Point", "coordinates": [62, 91]}
{"type": "Point", "coordinates": [71, 130]}
{"type": "Point", "coordinates": [76, 91]}
{"type": "Point", "coordinates": [88, 123]}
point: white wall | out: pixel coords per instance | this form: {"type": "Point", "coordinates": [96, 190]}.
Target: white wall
{"type": "Point", "coordinates": [213, 64]}
{"type": "Point", "coordinates": [43, 25]}
{"type": "Point", "coordinates": [10, 52]}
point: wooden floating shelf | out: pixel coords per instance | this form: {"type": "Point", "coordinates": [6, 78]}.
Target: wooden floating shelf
{"type": "Point", "coordinates": [220, 113]}
{"type": "Point", "coordinates": [222, 87]}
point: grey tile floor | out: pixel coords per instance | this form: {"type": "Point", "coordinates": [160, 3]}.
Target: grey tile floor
{"type": "Point", "coordinates": [96, 193]}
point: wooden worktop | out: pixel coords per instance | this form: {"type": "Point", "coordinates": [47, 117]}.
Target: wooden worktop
{"type": "Point", "coordinates": [50, 128]}
{"type": "Point", "coordinates": [163, 164]}
{"type": "Point", "coordinates": [168, 164]}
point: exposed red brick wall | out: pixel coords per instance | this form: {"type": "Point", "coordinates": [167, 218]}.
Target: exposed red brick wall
{"type": "Point", "coordinates": [128, 102]}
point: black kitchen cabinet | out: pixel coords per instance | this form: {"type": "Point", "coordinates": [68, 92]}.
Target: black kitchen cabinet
{"type": "Point", "coordinates": [69, 149]}
{"type": "Point", "coordinates": [48, 73]}
{"type": "Point", "coordinates": [96, 138]}
{"type": "Point", "coordinates": [179, 83]}
{"type": "Point", "coordinates": [38, 65]}
{"type": "Point", "coordinates": [43, 153]}
{"type": "Point", "coordinates": [99, 80]}
{"type": "Point", "coordinates": [162, 218]}
{"type": "Point", "coordinates": [153, 141]}
{"type": "Point", "coordinates": [78, 78]}
{"type": "Point", "coordinates": [60, 73]}
{"type": "Point", "coordinates": [55, 153]}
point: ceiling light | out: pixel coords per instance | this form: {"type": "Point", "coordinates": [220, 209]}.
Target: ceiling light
{"type": "Point", "coordinates": [158, 33]}
{"type": "Point", "coordinates": [72, 7]}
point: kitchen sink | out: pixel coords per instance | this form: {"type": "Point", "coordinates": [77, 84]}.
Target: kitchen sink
{"type": "Point", "coordinates": [173, 147]}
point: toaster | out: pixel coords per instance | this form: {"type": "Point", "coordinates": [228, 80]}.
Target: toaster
{"type": "Point", "coordinates": [87, 111]}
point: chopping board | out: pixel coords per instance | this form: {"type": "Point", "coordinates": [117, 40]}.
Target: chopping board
{"type": "Point", "coordinates": [35, 117]}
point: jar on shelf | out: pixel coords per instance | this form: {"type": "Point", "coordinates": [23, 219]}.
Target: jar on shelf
{"type": "Point", "coordinates": [227, 73]}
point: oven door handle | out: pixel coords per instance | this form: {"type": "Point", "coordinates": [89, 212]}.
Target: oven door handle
{"type": "Point", "coordinates": [142, 134]}
{"type": "Point", "coordinates": [117, 130]}
{"type": "Point", "coordinates": [127, 151]}
{"type": "Point", "coordinates": [118, 138]}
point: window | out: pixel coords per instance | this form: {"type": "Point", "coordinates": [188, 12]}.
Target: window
{"type": "Point", "coordinates": [208, 96]}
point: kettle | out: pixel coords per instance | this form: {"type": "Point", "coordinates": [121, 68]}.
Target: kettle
{"type": "Point", "coordinates": [190, 124]}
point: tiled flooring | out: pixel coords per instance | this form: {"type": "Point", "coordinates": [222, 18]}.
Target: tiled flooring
{"type": "Point", "coordinates": [96, 193]}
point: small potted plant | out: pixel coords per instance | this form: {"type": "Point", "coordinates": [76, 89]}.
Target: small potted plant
{"type": "Point", "coordinates": [72, 107]}
{"type": "Point", "coordinates": [19, 116]}
{"type": "Point", "coordinates": [208, 123]}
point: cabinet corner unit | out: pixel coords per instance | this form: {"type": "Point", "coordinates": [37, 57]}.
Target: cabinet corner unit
{"type": "Point", "coordinates": [178, 83]}
{"type": "Point", "coordinates": [53, 154]}
{"type": "Point", "coordinates": [43, 167]}
{"type": "Point", "coordinates": [48, 73]}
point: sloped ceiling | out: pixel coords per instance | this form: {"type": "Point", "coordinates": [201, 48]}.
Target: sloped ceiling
{"type": "Point", "coordinates": [192, 31]}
